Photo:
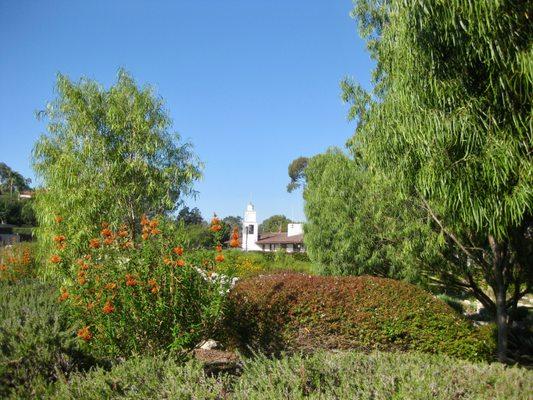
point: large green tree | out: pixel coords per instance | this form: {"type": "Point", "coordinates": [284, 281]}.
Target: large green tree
{"type": "Point", "coordinates": [109, 154]}
{"type": "Point", "coordinates": [450, 123]}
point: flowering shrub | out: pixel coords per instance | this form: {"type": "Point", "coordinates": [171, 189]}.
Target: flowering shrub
{"type": "Point", "coordinates": [139, 294]}
{"type": "Point", "coordinates": [16, 262]}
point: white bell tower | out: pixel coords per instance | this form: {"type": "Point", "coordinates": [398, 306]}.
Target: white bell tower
{"type": "Point", "coordinates": [249, 230]}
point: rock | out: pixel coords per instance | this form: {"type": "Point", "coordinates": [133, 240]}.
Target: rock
{"type": "Point", "coordinates": [209, 344]}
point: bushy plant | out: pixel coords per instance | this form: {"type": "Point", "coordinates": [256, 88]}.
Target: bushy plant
{"type": "Point", "coordinates": [37, 342]}
{"type": "Point", "coordinates": [138, 295]}
{"type": "Point", "coordinates": [17, 261]}
{"type": "Point", "coordinates": [291, 311]}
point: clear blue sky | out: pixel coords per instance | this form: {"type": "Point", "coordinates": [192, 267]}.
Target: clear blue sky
{"type": "Point", "coordinates": [252, 84]}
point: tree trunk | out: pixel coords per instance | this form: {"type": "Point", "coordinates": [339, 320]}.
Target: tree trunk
{"type": "Point", "coordinates": [499, 252]}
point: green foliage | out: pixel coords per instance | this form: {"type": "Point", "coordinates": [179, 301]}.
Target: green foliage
{"type": "Point", "coordinates": [16, 211]}
{"type": "Point", "coordinates": [293, 312]}
{"type": "Point", "coordinates": [358, 223]}
{"type": "Point", "coordinates": [138, 297]}
{"type": "Point", "coordinates": [322, 375]}
{"type": "Point", "coordinates": [12, 182]}
{"type": "Point", "coordinates": [37, 342]}
{"type": "Point", "coordinates": [450, 123]}
{"type": "Point", "coordinates": [275, 223]}
{"type": "Point", "coordinates": [297, 173]}
{"type": "Point", "coordinates": [109, 154]}
{"type": "Point", "coordinates": [190, 216]}
{"type": "Point", "coordinates": [143, 378]}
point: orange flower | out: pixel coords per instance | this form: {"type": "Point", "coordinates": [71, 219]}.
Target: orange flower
{"type": "Point", "coordinates": [145, 236]}
{"type": "Point", "coordinates": [63, 296]}
{"type": "Point", "coordinates": [61, 246]}
{"type": "Point", "coordinates": [155, 231]}
{"type": "Point", "coordinates": [219, 248]}
{"type": "Point", "coordinates": [58, 219]}
{"type": "Point", "coordinates": [154, 289]}
{"type": "Point", "coordinates": [128, 244]}
{"type": "Point", "coordinates": [108, 240]}
{"type": "Point", "coordinates": [144, 220]}
{"type": "Point", "coordinates": [123, 233]}
{"type": "Point", "coordinates": [82, 280]}
{"type": "Point", "coordinates": [3, 267]}
{"type": "Point", "coordinates": [59, 238]}
{"type": "Point", "coordinates": [219, 258]}
{"type": "Point", "coordinates": [152, 282]}
{"type": "Point", "coordinates": [108, 307]}
{"type": "Point", "coordinates": [215, 228]}
{"type": "Point", "coordinates": [55, 259]}
{"type": "Point", "coordinates": [84, 266]}
{"type": "Point", "coordinates": [215, 220]}
{"type": "Point", "coordinates": [85, 334]}
{"type": "Point", "coordinates": [167, 261]}
{"type": "Point", "coordinates": [130, 280]}
{"type": "Point", "coordinates": [234, 243]}
{"type": "Point", "coordinates": [90, 305]}
{"type": "Point", "coordinates": [111, 286]}
{"type": "Point", "coordinates": [178, 250]}
{"type": "Point", "coordinates": [105, 225]}
{"type": "Point", "coordinates": [94, 243]}
{"type": "Point", "coordinates": [180, 263]}
{"type": "Point", "coordinates": [154, 223]}
{"type": "Point", "coordinates": [106, 232]}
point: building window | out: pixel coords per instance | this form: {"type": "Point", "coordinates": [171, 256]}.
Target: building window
{"type": "Point", "coordinates": [297, 247]}
{"type": "Point", "coordinates": [250, 229]}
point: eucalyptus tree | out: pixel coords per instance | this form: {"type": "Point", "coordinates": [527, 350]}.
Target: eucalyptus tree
{"type": "Point", "coordinates": [450, 123]}
{"type": "Point", "coordinates": [109, 154]}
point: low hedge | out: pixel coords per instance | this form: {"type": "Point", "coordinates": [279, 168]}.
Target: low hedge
{"type": "Point", "coordinates": [287, 312]}
{"type": "Point", "coordinates": [322, 375]}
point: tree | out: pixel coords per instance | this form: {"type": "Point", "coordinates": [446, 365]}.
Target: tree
{"type": "Point", "coordinates": [233, 221]}
{"type": "Point", "coordinates": [450, 123]}
{"type": "Point", "coordinates": [12, 181]}
{"type": "Point", "coordinates": [108, 155]}
{"type": "Point", "coordinates": [297, 173]}
{"type": "Point", "coordinates": [190, 216]}
{"type": "Point", "coordinates": [275, 223]}
{"type": "Point", "coordinates": [357, 222]}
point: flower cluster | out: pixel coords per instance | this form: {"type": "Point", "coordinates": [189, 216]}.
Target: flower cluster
{"type": "Point", "coordinates": [235, 238]}
{"type": "Point", "coordinates": [16, 262]}
{"type": "Point", "coordinates": [149, 227]}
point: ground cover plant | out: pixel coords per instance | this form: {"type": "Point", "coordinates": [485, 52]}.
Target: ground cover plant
{"type": "Point", "coordinates": [322, 375]}
{"type": "Point", "coordinates": [37, 340]}
{"type": "Point", "coordinates": [291, 311]}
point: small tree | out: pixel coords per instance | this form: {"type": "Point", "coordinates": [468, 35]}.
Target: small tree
{"type": "Point", "coordinates": [108, 155]}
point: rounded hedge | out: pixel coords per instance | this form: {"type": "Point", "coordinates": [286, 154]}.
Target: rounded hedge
{"type": "Point", "coordinates": [288, 312]}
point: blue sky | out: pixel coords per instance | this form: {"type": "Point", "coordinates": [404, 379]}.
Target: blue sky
{"type": "Point", "coordinates": [252, 84]}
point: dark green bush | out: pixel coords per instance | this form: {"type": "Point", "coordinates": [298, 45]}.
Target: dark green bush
{"type": "Point", "coordinates": [37, 344]}
{"type": "Point", "coordinates": [322, 375]}
{"type": "Point", "coordinates": [297, 312]}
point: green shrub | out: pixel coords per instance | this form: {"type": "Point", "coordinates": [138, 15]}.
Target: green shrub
{"type": "Point", "coordinates": [17, 262]}
{"type": "Point", "coordinates": [142, 378]}
{"type": "Point", "coordinates": [295, 311]}
{"type": "Point", "coordinates": [37, 343]}
{"type": "Point", "coordinates": [137, 295]}
{"type": "Point", "coordinates": [322, 375]}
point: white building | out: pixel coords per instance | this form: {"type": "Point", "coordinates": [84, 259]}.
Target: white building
{"type": "Point", "coordinates": [290, 241]}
